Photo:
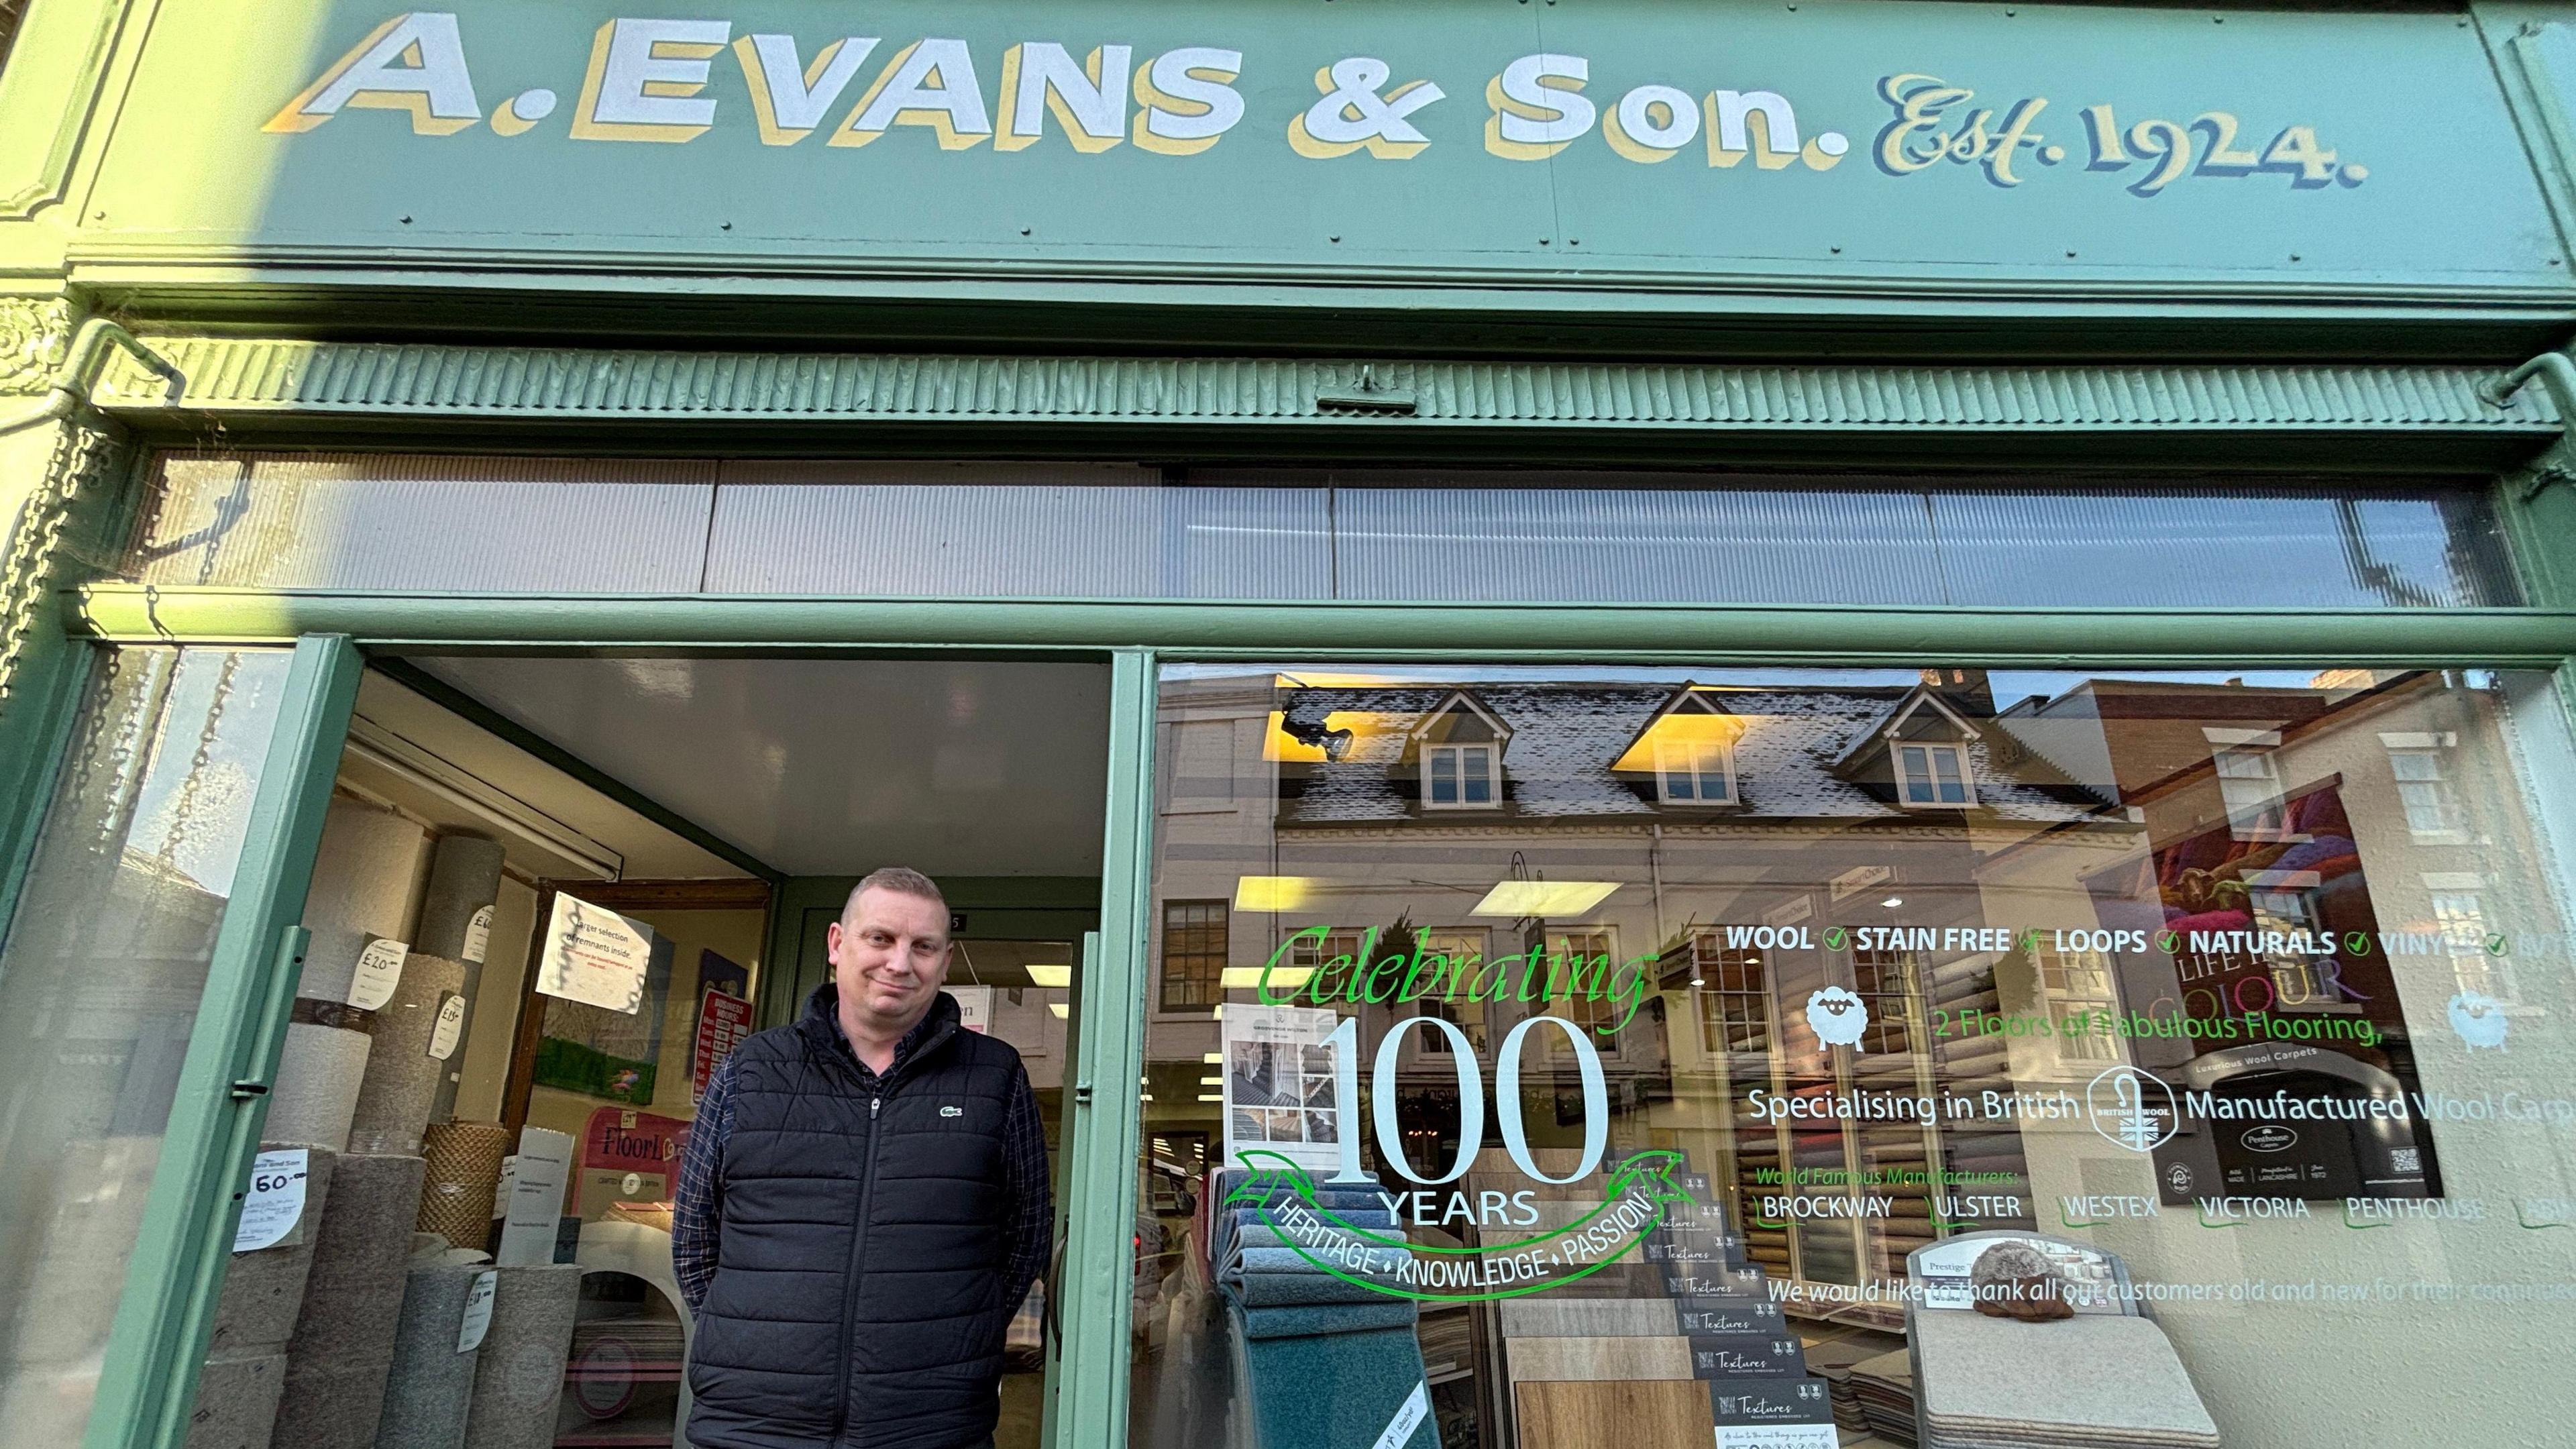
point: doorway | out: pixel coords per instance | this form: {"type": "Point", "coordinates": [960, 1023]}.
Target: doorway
{"type": "Point", "coordinates": [707, 817]}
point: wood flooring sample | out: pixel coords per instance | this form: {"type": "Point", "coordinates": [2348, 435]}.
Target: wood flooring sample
{"type": "Point", "coordinates": [1595, 1359]}
{"type": "Point", "coordinates": [1673, 1414]}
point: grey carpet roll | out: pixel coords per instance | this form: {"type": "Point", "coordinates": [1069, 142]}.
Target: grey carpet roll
{"type": "Point", "coordinates": [464, 878]}
{"type": "Point", "coordinates": [456, 922]}
{"type": "Point", "coordinates": [237, 1401]}
{"type": "Point", "coordinates": [521, 1372]}
{"type": "Point", "coordinates": [344, 1337]}
{"type": "Point", "coordinates": [264, 1291]}
{"type": "Point", "coordinates": [318, 1075]}
{"type": "Point", "coordinates": [402, 1077]}
{"type": "Point", "coordinates": [362, 884]}
{"type": "Point", "coordinates": [431, 1386]}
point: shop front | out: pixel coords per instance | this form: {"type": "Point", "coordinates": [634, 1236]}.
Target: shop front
{"type": "Point", "coordinates": [1783, 726]}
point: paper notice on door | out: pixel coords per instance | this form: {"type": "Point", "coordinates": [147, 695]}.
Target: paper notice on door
{"type": "Point", "coordinates": [380, 968]}
{"type": "Point", "coordinates": [275, 1203]}
{"type": "Point", "coordinates": [537, 1179]}
{"type": "Point", "coordinates": [478, 936]}
{"type": "Point", "coordinates": [478, 1311]}
{"type": "Point", "coordinates": [595, 955]}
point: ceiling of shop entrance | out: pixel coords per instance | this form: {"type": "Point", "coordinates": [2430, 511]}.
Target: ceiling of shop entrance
{"type": "Point", "coordinates": [835, 767]}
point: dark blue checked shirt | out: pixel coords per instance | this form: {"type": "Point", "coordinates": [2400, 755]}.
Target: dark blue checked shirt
{"type": "Point", "coordinates": [698, 1202]}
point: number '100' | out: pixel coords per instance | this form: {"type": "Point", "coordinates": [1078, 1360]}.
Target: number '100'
{"type": "Point", "coordinates": [1471, 1098]}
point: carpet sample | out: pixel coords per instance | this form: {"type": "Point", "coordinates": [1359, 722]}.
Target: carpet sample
{"type": "Point", "coordinates": [520, 1373]}
{"type": "Point", "coordinates": [402, 1077]}
{"type": "Point", "coordinates": [456, 923]}
{"type": "Point", "coordinates": [344, 1335]}
{"type": "Point", "coordinates": [2104, 1379]}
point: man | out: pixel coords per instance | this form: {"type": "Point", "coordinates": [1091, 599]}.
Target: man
{"type": "Point", "coordinates": [862, 1205]}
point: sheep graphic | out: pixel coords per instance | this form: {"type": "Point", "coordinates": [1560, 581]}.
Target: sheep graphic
{"type": "Point", "coordinates": [1837, 1017]}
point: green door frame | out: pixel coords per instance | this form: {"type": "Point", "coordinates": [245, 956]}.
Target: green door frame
{"type": "Point", "coordinates": [174, 1282]}
{"type": "Point", "coordinates": [167, 1313]}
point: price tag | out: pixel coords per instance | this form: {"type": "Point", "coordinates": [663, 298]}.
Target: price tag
{"type": "Point", "coordinates": [379, 971]}
{"type": "Point", "coordinates": [275, 1203]}
{"type": "Point", "coordinates": [478, 1311]}
{"type": "Point", "coordinates": [478, 936]}
{"type": "Point", "coordinates": [450, 1025]}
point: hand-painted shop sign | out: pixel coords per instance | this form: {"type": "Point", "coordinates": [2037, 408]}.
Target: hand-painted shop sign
{"type": "Point", "coordinates": [652, 79]}
{"type": "Point", "coordinates": [1596, 141]}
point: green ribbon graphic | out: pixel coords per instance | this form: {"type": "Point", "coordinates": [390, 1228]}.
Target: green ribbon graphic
{"type": "Point", "coordinates": [1640, 1192]}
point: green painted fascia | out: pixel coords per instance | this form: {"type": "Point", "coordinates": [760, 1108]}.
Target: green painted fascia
{"type": "Point", "coordinates": [1308, 630]}
{"type": "Point", "coordinates": [282, 391]}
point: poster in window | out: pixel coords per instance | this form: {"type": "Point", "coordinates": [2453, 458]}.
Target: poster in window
{"type": "Point", "coordinates": [1282, 1085]}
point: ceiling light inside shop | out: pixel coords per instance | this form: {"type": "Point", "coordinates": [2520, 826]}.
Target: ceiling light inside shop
{"type": "Point", "coordinates": [1892, 902]}
{"type": "Point", "coordinates": [1550, 898]}
{"type": "Point", "coordinates": [1212, 1058]}
{"type": "Point", "coordinates": [1061, 1009]}
{"type": "Point", "coordinates": [1282, 978]}
{"type": "Point", "coordinates": [1211, 1097]}
{"type": "Point", "coordinates": [1211, 1081]}
{"type": "Point", "coordinates": [1271, 892]}
{"type": "Point", "coordinates": [1051, 975]}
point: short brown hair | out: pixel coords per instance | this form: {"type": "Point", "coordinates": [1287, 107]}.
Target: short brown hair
{"type": "Point", "coordinates": [903, 881]}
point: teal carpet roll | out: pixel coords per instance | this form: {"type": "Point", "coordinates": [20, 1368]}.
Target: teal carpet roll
{"type": "Point", "coordinates": [1328, 1391]}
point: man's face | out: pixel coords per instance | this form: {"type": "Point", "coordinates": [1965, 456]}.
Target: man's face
{"type": "Point", "coordinates": [890, 956]}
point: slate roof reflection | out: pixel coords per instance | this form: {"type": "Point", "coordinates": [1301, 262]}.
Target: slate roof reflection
{"type": "Point", "coordinates": [1565, 738]}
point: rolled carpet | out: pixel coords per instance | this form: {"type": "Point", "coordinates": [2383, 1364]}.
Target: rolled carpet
{"type": "Point", "coordinates": [344, 1334]}
{"type": "Point", "coordinates": [456, 922]}
{"type": "Point", "coordinates": [430, 1388]}
{"type": "Point", "coordinates": [1330, 1391]}
{"type": "Point", "coordinates": [1329, 1318]}
{"type": "Point", "coordinates": [464, 1177]}
{"type": "Point", "coordinates": [402, 1077]}
{"type": "Point", "coordinates": [319, 1072]}
{"type": "Point", "coordinates": [264, 1290]}
{"type": "Point", "coordinates": [237, 1402]}
{"type": "Point", "coordinates": [363, 873]}
{"type": "Point", "coordinates": [520, 1374]}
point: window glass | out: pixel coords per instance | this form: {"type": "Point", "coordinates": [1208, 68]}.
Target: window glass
{"type": "Point", "coordinates": [99, 979]}
{"type": "Point", "coordinates": [2069, 1057]}
{"type": "Point", "coordinates": [1090, 530]}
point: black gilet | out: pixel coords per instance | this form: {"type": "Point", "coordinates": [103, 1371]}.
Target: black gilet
{"type": "Point", "coordinates": [856, 1299]}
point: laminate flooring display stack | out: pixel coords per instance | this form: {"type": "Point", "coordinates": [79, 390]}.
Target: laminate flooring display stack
{"type": "Point", "coordinates": [1676, 1342]}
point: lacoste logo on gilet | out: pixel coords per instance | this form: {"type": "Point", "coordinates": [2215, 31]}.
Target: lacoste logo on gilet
{"type": "Point", "coordinates": [952, 1111]}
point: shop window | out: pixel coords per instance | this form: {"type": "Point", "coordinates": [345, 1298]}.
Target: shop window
{"type": "Point", "coordinates": [1194, 954]}
{"type": "Point", "coordinates": [1871, 961]}
{"type": "Point", "coordinates": [1458, 777]}
{"type": "Point", "coordinates": [1933, 775]}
